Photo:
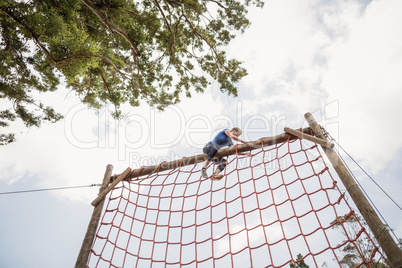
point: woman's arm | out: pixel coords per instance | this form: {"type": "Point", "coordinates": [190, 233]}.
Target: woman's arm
{"type": "Point", "coordinates": [230, 135]}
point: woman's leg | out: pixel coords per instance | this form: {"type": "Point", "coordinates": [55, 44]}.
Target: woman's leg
{"type": "Point", "coordinates": [211, 151]}
{"type": "Point", "coordinates": [222, 164]}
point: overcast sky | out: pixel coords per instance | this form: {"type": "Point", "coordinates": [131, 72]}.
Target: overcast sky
{"type": "Point", "coordinates": [340, 60]}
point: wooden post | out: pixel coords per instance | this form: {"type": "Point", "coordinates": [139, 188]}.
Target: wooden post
{"type": "Point", "coordinates": [93, 224]}
{"type": "Point", "coordinates": [387, 243]}
{"type": "Point", "coordinates": [102, 194]}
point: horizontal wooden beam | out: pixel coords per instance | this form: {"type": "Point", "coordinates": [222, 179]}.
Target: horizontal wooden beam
{"type": "Point", "coordinates": [306, 136]}
{"type": "Point", "coordinates": [186, 161]}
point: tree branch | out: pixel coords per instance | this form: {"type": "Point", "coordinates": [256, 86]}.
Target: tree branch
{"type": "Point", "coordinates": [47, 52]}
{"type": "Point", "coordinates": [29, 29]}
{"type": "Point", "coordinates": [113, 28]}
{"type": "Point", "coordinates": [110, 93]}
{"type": "Point", "coordinates": [163, 15]}
{"type": "Point", "coordinates": [171, 46]}
{"type": "Point", "coordinates": [211, 46]}
{"type": "Point", "coordinates": [106, 59]}
{"type": "Point", "coordinates": [219, 4]}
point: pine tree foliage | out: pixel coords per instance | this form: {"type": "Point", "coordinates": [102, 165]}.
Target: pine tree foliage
{"type": "Point", "coordinates": [115, 51]}
{"type": "Point", "coordinates": [299, 262]}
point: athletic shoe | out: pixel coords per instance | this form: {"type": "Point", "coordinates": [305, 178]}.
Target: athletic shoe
{"type": "Point", "coordinates": [204, 173]}
{"type": "Point", "coordinates": [216, 176]}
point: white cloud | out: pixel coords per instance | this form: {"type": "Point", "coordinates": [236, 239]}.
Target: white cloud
{"type": "Point", "coordinates": [306, 55]}
{"type": "Point", "coordinates": [285, 42]}
{"type": "Point", "coordinates": [364, 75]}
{"type": "Point", "coordinates": [76, 150]}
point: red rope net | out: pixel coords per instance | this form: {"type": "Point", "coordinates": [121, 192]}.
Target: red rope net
{"type": "Point", "coordinates": [270, 207]}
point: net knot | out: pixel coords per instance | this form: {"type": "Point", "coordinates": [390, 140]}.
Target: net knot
{"type": "Point", "coordinates": [322, 171]}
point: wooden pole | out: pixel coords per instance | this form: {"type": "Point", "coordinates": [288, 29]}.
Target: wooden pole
{"type": "Point", "coordinates": [306, 136]}
{"type": "Point", "coordinates": [387, 243]}
{"type": "Point", "coordinates": [102, 194]}
{"type": "Point", "coordinates": [93, 224]}
{"type": "Point", "coordinates": [241, 148]}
